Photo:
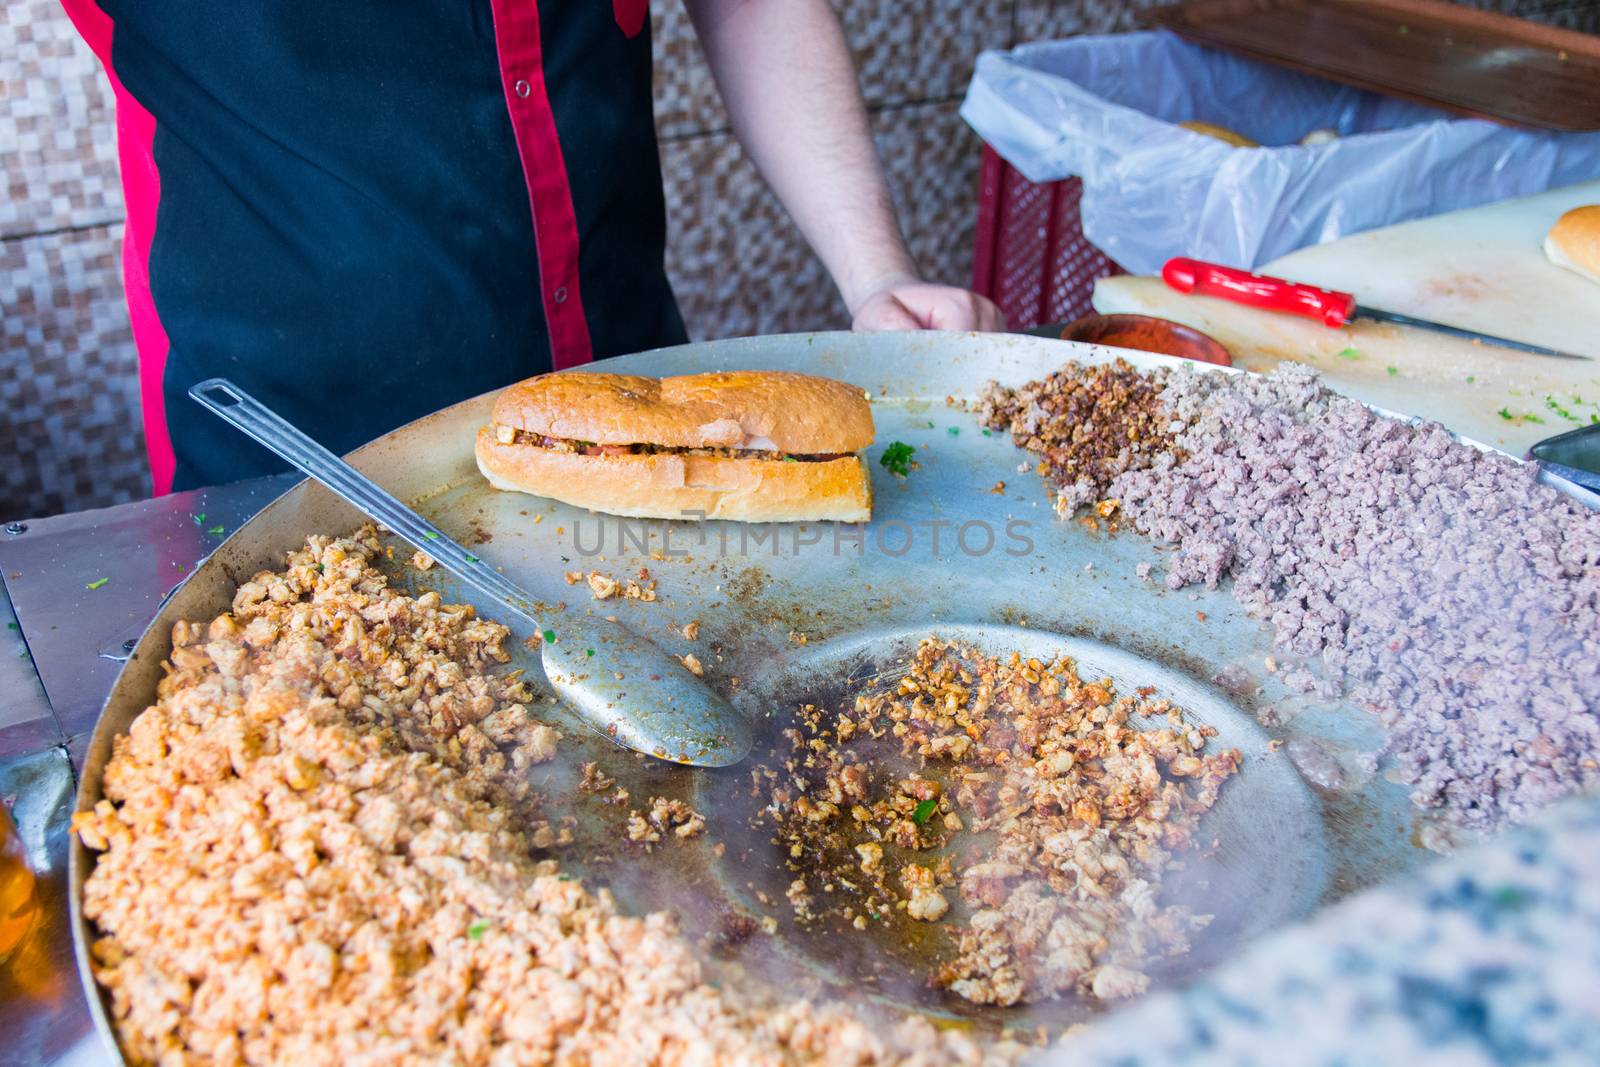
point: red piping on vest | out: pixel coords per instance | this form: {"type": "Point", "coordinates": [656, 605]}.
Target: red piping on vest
{"type": "Point", "coordinates": [141, 191]}
{"type": "Point", "coordinates": [555, 225]}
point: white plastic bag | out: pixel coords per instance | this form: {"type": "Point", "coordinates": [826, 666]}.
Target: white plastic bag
{"type": "Point", "coordinates": [1106, 108]}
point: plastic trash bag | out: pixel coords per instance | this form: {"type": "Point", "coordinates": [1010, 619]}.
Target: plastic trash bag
{"type": "Point", "coordinates": [1106, 109]}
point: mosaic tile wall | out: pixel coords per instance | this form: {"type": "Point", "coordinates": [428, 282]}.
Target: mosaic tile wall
{"type": "Point", "coordinates": [68, 399]}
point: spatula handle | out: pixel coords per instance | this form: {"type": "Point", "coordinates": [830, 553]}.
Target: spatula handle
{"type": "Point", "coordinates": [245, 413]}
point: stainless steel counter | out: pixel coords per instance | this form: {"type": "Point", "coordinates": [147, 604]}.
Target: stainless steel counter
{"type": "Point", "coordinates": [63, 629]}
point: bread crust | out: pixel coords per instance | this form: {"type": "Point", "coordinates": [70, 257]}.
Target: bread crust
{"type": "Point", "coordinates": [1574, 241]}
{"type": "Point", "coordinates": [786, 412]}
{"type": "Point", "coordinates": [669, 485]}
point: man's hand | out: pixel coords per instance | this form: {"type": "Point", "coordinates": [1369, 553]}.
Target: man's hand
{"type": "Point", "coordinates": [912, 304]}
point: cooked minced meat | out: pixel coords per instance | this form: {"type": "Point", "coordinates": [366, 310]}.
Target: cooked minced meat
{"type": "Point", "coordinates": [1083, 798]}
{"type": "Point", "coordinates": [509, 435]}
{"type": "Point", "coordinates": [1458, 598]}
{"type": "Point", "coordinates": [1088, 424]}
{"type": "Point", "coordinates": [318, 847]}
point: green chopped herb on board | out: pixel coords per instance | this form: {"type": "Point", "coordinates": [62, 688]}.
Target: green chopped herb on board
{"type": "Point", "coordinates": [1554, 405]}
{"type": "Point", "coordinates": [430, 535]}
{"type": "Point", "coordinates": [930, 424]}
{"type": "Point", "coordinates": [1349, 352]}
{"type": "Point", "coordinates": [549, 637]}
{"type": "Point", "coordinates": [1533, 418]}
{"type": "Point", "coordinates": [97, 583]}
{"type": "Point", "coordinates": [217, 530]}
{"type": "Point", "coordinates": [921, 813]}
{"type": "Point", "coordinates": [1471, 378]}
{"type": "Point", "coordinates": [471, 558]}
{"type": "Point", "coordinates": [588, 652]}
{"type": "Point", "coordinates": [988, 433]}
{"type": "Point", "coordinates": [955, 431]}
{"type": "Point", "coordinates": [200, 519]}
{"type": "Point", "coordinates": [1393, 371]}
{"type": "Point", "coordinates": [896, 459]}
{"type": "Point", "coordinates": [477, 929]}
{"type": "Point", "coordinates": [1504, 414]}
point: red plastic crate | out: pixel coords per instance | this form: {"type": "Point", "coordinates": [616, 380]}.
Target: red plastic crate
{"type": "Point", "coordinates": [1032, 258]}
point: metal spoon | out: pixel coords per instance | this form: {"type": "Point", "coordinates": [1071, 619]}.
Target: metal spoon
{"type": "Point", "coordinates": [633, 691]}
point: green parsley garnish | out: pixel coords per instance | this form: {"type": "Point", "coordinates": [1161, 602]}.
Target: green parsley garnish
{"type": "Point", "coordinates": [217, 531]}
{"type": "Point", "coordinates": [896, 459]}
{"type": "Point", "coordinates": [921, 813]}
{"type": "Point", "coordinates": [320, 569]}
{"type": "Point", "coordinates": [1350, 352]}
{"type": "Point", "coordinates": [1504, 414]}
{"type": "Point", "coordinates": [588, 652]}
{"type": "Point", "coordinates": [549, 637]}
{"type": "Point", "coordinates": [97, 583]}
{"type": "Point", "coordinates": [477, 929]}
{"type": "Point", "coordinates": [1393, 371]}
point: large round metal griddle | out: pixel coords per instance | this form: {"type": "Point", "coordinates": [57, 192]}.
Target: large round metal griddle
{"type": "Point", "coordinates": [794, 611]}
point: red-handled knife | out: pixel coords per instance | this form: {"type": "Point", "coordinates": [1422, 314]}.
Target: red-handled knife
{"type": "Point", "coordinates": [1328, 306]}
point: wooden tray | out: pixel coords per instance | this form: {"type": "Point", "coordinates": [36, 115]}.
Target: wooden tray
{"type": "Point", "coordinates": [1472, 62]}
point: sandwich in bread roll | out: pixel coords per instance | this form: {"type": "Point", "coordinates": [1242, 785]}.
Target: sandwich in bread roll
{"type": "Point", "coordinates": [1574, 241]}
{"type": "Point", "coordinates": [755, 446]}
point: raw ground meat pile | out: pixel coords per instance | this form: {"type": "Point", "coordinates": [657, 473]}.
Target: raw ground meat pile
{"type": "Point", "coordinates": [1047, 806]}
{"type": "Point", "coordinates": [1452, 594]}
{"type": "Point", "coordinates": [318, 847]}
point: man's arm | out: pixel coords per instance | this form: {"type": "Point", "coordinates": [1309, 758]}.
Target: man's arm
{"type": "Point", "coordinates": [785, 74]}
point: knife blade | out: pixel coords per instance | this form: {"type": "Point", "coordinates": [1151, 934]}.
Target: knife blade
{"type": "Point", "coordinates": [1328, 306]}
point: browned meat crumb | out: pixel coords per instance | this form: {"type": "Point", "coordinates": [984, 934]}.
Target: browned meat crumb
{"type": "Point", "coordinates": [603, 586]}
{"type": "Point", "coordinates": [692, 662]}
{"type": "Point", "coordinates": [594, 780]}
{"type": "Point", "coordinates": [316, 848]}
{"type": "Point", "coordinates": [634, 591]}
{"type": "Point", "coordinates": [421, 560]}
{"type": "Point", "coordinates": [1084, 797]}
{"type": "Point", "coordinates": [691, 630]}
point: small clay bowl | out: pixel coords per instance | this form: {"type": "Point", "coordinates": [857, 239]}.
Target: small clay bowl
{"type": "Point", "coordinates": [1147, 333]}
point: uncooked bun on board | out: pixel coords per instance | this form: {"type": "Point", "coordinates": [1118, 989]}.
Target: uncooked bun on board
{"type": "Point", "coordinates": [1574, 241]}
{"type": "Point", "coordinates": [753, 446]}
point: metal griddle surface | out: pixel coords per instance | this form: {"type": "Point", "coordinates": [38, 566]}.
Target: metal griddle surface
{"type": "Point", "coordinates": [1006, 574]}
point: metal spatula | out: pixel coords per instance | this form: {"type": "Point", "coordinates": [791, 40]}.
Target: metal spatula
{"type": "Point", "coordinates": [631, 690]}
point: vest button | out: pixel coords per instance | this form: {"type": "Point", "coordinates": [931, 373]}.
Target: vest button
{"type": "Point", "coordinates": [560, 295]}
{"type": "Point", "coordinates": [523, 88]}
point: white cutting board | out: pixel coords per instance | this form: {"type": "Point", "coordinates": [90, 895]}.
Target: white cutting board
{"type": "Point", "coordinates": [1481, 269]}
